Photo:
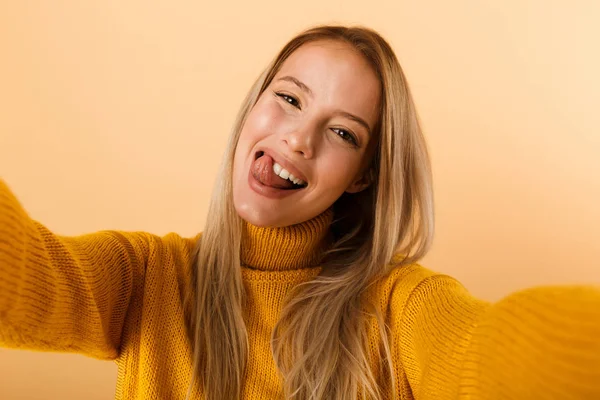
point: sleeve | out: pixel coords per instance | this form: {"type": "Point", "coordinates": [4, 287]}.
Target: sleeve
{"type": "Point", "coordinates": [64, 294]}
{"type": "Point", "coordinates": [540, 343]}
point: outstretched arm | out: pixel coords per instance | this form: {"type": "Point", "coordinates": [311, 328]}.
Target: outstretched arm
{"type": "Point", "coordinates": [539, 343]}
{"type": "Point", "coordinates": [68, 294]}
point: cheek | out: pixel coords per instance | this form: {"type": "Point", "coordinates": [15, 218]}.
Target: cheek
{"type": "Point", "coordinates": [338, 170]}
{"type": "Point", "coordinates": [264, 120]}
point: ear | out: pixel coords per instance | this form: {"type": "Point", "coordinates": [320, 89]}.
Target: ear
{"type": "Point", "coordinates": [362, 182]}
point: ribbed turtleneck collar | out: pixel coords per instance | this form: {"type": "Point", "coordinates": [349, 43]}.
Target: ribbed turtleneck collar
{"type": "Point", "coordinates": [287, 248]}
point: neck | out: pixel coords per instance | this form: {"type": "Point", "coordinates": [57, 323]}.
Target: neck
{"type": "Point", "coordinates": [286, 248]}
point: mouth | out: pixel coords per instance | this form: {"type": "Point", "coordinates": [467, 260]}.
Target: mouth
{"type": "Point", "coordinates": [263, 180]}
{"type": "Point", "coordinates": [270, 173]}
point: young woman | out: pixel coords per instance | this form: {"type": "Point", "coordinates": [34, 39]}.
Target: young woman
{"type": "Point", "coordinates": [305, 282]}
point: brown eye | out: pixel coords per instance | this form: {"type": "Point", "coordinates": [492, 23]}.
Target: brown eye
{"type": "Point", "coordinates": [345, 135]}
{"type": "Point", "coordinates": [289, 99]}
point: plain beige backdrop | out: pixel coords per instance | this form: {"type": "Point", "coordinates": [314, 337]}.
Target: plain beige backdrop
{"type": "Point", "coordinates": [114, 115]}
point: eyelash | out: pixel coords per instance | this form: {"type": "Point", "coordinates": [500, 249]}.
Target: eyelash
{"type": "Point", "coordinates": [348, 137]}
{"type": "Point", "coordinates": [285, 98]}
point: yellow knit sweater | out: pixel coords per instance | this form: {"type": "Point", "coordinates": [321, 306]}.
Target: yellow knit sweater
{"type": "Point", "coordinates": [116, 295]}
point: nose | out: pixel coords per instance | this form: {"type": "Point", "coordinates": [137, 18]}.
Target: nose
{"type": "Point", "coordinates": [302, 141]}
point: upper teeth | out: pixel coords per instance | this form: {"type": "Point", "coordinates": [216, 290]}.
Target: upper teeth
{"type": "Point", "coordinates": [285, 174]}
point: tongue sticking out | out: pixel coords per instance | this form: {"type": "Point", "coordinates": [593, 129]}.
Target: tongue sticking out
{"type": "Point", "coordinates": [262, 170]}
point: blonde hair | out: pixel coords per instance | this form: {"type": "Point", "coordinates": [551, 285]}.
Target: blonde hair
{"type": "Point", "coordinates": [319, 344]}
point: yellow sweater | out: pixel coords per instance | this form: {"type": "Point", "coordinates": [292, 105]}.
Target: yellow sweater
{"type": "Point", "coordinates": [116, 295]}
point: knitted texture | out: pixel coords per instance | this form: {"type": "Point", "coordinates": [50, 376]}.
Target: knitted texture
{"type": "Point", "coordinates": [118, 296]}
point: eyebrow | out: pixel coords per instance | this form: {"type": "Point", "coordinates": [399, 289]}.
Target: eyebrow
{"type": "Point", "coordinates": [354, 118]}
{"type": "Point", "coordinates": [348, 115]}
{"type": "Point", "coordinates": [297, 82]}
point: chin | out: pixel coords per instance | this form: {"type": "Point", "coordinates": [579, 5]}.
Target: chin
{"type": "Point", "coordinates": [260, 212]}
{"type": "Point", "coordinates": [260, 218]}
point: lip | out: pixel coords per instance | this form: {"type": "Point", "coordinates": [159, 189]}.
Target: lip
{"type": "Point", "coordinates": [268, 191]}
{"type": "Point", "coordinates": [284, 163]}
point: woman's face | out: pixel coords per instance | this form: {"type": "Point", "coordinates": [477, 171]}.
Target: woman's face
{"type": "Point", "coordinates": [314, 121]}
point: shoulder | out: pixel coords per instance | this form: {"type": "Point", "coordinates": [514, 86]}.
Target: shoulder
{"type": "Point", "coordinates": [403, 281]}
{"type": "Point", "coordinates": [179, 245]}
{"type": "Point", "coordinates": [165, 257]}
{"type": "Point", "coordinates": [167, 263]}
{"type": "Point", "coordinates": [415, 291]}
{"type": "Point", "coordinates": [146, 245]}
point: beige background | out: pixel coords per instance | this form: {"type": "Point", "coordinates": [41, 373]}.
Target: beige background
{"type": "Point", "coordinates": [114, 116]}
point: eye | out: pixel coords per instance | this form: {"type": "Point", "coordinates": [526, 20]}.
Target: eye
{"type": "Point", "coordinates": [345, 135]}
{"type": "Point", "coordinates": [289, 99]}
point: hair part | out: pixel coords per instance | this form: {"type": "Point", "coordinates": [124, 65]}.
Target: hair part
{"type": "Point", "coordinates": [320, 343]}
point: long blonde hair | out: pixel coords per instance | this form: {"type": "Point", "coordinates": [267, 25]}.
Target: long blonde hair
{"type": "Point", "coordinates": [319, 344]}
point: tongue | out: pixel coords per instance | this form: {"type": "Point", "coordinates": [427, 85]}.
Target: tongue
{"type": "Point", "coordinates": [262, 170]}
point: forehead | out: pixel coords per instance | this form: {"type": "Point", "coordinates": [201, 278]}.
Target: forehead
{"type": "Point", "coordinates": [338, 75]}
